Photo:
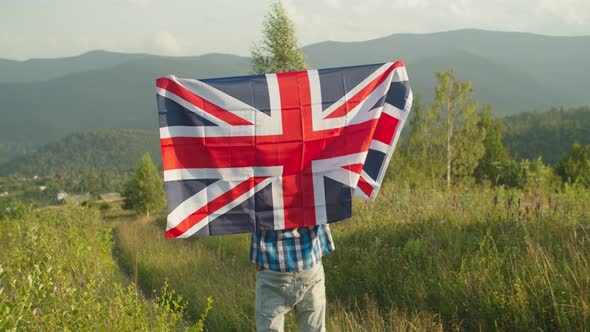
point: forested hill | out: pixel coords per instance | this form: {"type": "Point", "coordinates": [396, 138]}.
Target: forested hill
{"type": "Point", "coordinates": [549, 134]}
{"type": "Point", "coordinates": [44, 100]}
{"type": "Point", "coordinates": [116, 150]}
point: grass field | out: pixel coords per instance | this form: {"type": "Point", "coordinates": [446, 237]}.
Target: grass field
{"type": "Point", "coordinates": [57, 273]}
{"type": "Point", "coordinates": [416, 259]}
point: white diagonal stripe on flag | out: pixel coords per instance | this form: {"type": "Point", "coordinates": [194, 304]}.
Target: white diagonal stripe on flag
{"type": "Point", "coordinates": [231, 174]}
{"type": "Point", "coordinates": [357, 88]}
{"type": "Point", "coordinates": [224, 209]}
{"type": "Point", "coordinates": [189, 106]}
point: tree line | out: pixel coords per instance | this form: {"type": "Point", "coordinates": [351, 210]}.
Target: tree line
{"type": "Point", "coordinates": [454, 141]}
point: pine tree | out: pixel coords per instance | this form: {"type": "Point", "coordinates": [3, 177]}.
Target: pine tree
{"type": "Point", "coordinates": [279, 51]}
{"type": "Point", "coordinates": [144, 192]}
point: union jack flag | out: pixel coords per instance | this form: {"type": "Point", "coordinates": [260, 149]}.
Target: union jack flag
{"type": "Point", "coordinates": [277, 151]}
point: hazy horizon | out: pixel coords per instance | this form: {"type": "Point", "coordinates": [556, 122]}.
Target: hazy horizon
{"type": "Point", "coordinates": [323, 41]}
{"type": "Point", "coordinates": [62, 28]}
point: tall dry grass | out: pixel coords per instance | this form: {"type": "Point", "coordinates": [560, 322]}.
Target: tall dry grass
{"type": "Point", "coordinates": [417, 259]}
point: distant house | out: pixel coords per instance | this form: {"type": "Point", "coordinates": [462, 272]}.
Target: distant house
{"type": "Point", "coordinates": [78, 199]}
{"type": "Point", "coordinates": [111, 197]}
{"type": "Point", "coordinates": [42, 188]}
{"type": "Point", "coordinates": [61, 196]}
{"type": "Point", "coordinates": [4, 194]}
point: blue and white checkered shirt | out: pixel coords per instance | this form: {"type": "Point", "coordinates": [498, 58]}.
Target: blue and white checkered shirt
{"type": "Point", "coordinates": [291, 250]}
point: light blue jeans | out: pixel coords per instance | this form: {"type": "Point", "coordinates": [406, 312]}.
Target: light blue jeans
{"type": "Point", "coordinates": [279, 292]}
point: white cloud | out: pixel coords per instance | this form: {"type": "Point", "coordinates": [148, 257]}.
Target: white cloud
{"type": "Point", "coordinates": [167, 43]}
{"type": "Point", "coordinates": [139, 3]}
{"type": "Point", "coordinates": [29, 30]}
{"type": "Point", "coordinates": [333, 3]}
{"type": "Point", "coordinates": [570, 11]}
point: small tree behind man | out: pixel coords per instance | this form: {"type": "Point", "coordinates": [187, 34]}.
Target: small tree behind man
{"type": "Point", "coordinates": [144, 192]}
{"type": "Point", "coordinates": [301, 272]}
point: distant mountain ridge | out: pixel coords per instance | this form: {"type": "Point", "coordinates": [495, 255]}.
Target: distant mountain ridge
{"type": "Point", "coordinates": [40, 70]}
{"type": "Point", "coordinates": [114, 150]}
{"type": "Point", "coordinates": [46, 99]}
{"type": "Point", "coordinates": [548, 134]}
{"type": "Point", "coordinates": [556, 61]}
{"type": "Point", "coordinates": [121, 96]}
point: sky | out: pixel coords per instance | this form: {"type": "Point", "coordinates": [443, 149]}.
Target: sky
{"type": "Point", "coordinates": [57, 28]}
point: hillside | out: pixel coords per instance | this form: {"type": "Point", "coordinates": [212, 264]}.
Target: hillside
{"type": "Point", "coordinates": [557, 61]}
{"type": "Point", "coordinates": [47, 99]}
{"type": "Point", "coordinates": [39, 70]}
{"type": "Point", "coordinates": [549, 134]}
{"type": "Point", "coordinates": [508, 89]}
{"type": "Point", "coordinates": [105, 150]}
{"type": "Point", "coordinates": [119, 97]}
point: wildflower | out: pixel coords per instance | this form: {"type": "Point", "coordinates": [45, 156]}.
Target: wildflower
{"type": "Point", "coordinates": [83, 284]}
{"type": "Point", "coordinates": [37, 312]}
{"type": "Point", "coordinates": [496, 200]}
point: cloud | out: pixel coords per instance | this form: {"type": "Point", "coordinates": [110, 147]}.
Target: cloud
{"type": "Point", "coordinates": [570, 11]}
{"type": "Point", "coordinates": [139, 3]}
{"type": "Point", "coordinates": [166, 43]}
{"type": "Point", "coordinates": [333, 3]}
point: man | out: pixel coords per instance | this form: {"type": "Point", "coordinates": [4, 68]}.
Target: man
{"type": "Point", "coordinates": [291, 276]}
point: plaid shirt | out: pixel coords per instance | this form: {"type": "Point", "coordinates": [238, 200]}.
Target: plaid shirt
{"type": "Point", "coordinates": [291, 250]}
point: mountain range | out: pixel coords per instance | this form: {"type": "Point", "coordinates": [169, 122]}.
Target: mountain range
{"type": "Point", "coordinates": [548, 135]}
{"type": "Point", "coordinates": [45, 99]}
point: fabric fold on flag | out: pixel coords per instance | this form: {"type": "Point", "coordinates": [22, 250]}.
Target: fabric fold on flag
{"type": "Point", "coordinates": [277, 151]}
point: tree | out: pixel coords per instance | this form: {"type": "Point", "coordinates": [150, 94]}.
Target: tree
{"type": "Point", "coordinates": [496, 156]}
{"type": "Point", "coordinates": [144, 192]}
{"type": "Point", "coordinates": [280, 51]}
{"type": "Point", "coordinates": [424, 148]}
{"type": "Point", "coordinates": [575, 167]}
{"type": "Point", "coordinates": [463, 140]}
{"type": "Point", "coordinates": [469, 142]}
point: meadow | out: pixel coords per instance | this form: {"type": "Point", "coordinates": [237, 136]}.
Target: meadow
{"type": "Point", "coordinates": [419, 258]}
{"type": "Point", "coordinates": [57, 273]}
